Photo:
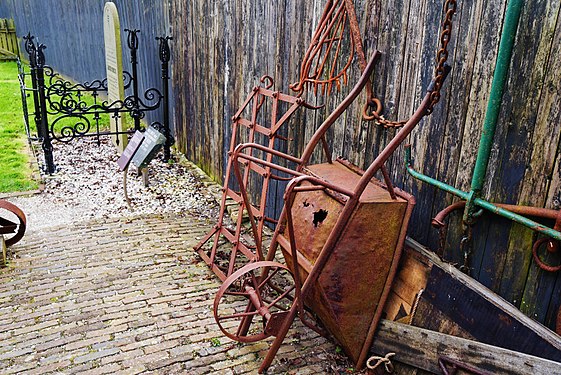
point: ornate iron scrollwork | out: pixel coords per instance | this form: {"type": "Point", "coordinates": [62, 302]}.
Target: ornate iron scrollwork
{"type": "Point", "coordinates": [64, 101]}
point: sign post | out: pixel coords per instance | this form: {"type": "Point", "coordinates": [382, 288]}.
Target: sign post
{"type": "Point", "coordinates": [114, 68]}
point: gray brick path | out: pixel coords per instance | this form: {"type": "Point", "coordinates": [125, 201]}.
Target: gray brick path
{"type": "Point", "coordinates": [129, 296]}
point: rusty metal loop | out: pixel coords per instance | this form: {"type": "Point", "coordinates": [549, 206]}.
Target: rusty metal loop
{"type": "Point", "coordinates": [374, 106]}
{"type": "Point", "coordinates": [22, 221]}
{"type": "Point", "coordinates": [539, 262]}
{"type": "Point", "coordinates": [267, 80]}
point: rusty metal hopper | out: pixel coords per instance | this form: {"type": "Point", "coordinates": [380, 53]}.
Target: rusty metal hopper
{"type": "Point", "coordinates": [350, 292]}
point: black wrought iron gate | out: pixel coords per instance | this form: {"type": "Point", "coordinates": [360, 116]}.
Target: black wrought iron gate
{"type": "Point", "coordinates": [56, 100]}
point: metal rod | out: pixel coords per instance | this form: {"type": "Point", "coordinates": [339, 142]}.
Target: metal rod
{"type": "Point", "coordinates": [132, 43]}
{"type": "Point", "coordinates": [164, 59]}
{"type": "Point", "coordinates": [480, 202]}
{"type": "Point", "coordinates": [46, 144]}
{"type": "Point", "coordinates": [498, 85]}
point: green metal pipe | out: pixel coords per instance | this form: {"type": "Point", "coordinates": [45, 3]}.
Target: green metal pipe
{"type": "Point", "coordinates": [439, 184]}
{"type": "Point", "coordinates": [478, 202]}
{"type": "Point", "coordinates": [498, 85]}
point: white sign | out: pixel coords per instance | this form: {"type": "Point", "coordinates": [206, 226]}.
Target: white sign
{"type": "Point", "coordinates": [114, 68]}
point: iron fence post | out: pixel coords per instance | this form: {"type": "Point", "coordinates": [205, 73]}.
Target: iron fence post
{"type": "Point", "coordinates": [164, 58]}
{"type": "Point", "coordinates": [132, 43]}
{"type": "Point", "coordinates": [32, 54]}
{"type": "Point", "coordinates": [46, 143]}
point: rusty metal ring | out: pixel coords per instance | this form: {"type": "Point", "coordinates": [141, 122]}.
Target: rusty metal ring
{"type": "Point", "coordinates": [539, 262]}
{"type": "Point", "coordinates": [375, 113]}
{"type": "Point", "coordinates": [240, 333]}
{"type": "Point", "coordinates": [22, 221]}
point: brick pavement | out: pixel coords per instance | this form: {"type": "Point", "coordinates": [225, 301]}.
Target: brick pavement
{"type": "Point", "coordinates": [129, 296]}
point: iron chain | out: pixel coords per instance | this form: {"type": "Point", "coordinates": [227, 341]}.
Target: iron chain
{"type": "Point", "coordinates": [439, 72]}
{"type": "Point", "coordinates": [442, 54]}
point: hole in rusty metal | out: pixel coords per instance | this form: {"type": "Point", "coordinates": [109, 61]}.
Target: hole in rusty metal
{"type": "Point", "coordinates": [305, 204]}
{"type": "Point", "coordinates": [319, 217]}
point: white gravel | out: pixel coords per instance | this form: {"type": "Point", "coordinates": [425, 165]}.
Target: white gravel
{"type": "Point", "coordinates": [88, 184]}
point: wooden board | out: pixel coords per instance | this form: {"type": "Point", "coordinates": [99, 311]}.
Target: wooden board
{"type": "Point", "coordinates": [422, 348]}
{"type": "Point", "coordinates": [454, 303]}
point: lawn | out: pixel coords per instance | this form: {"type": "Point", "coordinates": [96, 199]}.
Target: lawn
{"type": "Point", "coordinates": [15, 171]}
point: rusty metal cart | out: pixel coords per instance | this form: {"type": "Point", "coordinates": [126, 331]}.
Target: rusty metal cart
{"type": "Point", "coordinates": [341, 233]}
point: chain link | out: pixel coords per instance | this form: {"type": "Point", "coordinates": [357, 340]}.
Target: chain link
{"type": "Point", "coordinates": [442, 54]}
{"type": "Point", "coordinates": [466, 246]}
{"type": "Point", "coordinates": [439, 72]}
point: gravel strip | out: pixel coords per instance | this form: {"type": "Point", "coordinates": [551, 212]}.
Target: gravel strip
{"type": "Point", "coordinates": [88, 185]}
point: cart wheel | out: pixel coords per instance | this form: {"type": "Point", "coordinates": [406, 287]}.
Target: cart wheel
{"type": "Point", "coordinates": [253, 302]}
{"type": "Point", "coordinates": [12, 222]}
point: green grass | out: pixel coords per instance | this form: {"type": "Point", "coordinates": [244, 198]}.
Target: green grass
{"type": "Point", "coordinates": [15, 171]}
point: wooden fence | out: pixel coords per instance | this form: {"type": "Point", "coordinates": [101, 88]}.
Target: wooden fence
{"type": "Point", "coordinates": [222, 47]}
{"type": "Point", "coordinates": [228, 45]}
{"type": "Point", "coordinates": [9, 49]}
{"type": "Point", "coordinates": [73, 33]}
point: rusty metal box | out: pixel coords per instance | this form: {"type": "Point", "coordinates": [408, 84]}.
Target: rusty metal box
{"type": "Point", "coordinates": [352, 287]}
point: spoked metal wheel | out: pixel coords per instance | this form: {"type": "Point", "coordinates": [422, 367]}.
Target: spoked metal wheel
{"type": "Point", "coordinates": [12, 222]}
{"type": "Point", "coordinates": [253, 302]}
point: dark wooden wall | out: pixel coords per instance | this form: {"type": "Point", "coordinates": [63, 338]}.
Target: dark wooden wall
{"type": "Point", "coordinates": [222, 47]}
{"type": "Point", "coordinates": [228, 45]}
{"type": "Point", "coordinates": [73, 33]}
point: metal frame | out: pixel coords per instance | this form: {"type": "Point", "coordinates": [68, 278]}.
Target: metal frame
{"type": "Point", "coordinates": [271, 131]}
{"type": "Point", "coordinates": [351, 199]}
{"type": "Point", "coordinates": [53, 96]}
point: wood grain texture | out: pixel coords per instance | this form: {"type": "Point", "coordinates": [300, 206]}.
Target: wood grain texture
{"type": "Point", "coordinates": [422, 348]}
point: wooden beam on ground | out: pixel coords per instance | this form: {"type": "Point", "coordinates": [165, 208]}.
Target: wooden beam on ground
{"type": "Point", "coordinates": [455, 304]}
{"type": "Point", "coordinates": [422, 348]}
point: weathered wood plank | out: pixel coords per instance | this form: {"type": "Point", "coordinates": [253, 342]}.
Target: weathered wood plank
{"type": "Point", "coordinates": [422, 348]}
{"type": "Point", "coordinates": [453, 303]}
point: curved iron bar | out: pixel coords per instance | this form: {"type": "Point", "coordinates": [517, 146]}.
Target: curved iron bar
{"type": "Point", "coordinates": [546, 213]}
{"type": "Point", "coordinates": [59, 85]}
{"type": "Point", "coordinates": [69, 132]}
{"type": "Point", "coordinates": [70, 106]}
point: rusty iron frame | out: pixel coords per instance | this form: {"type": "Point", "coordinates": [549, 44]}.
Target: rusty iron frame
{"type": "Point", "coordinates": [254, 101]}
{"type": "Point", "coordinates": [242, 161]}
{"type": "Point", "coordinates": [337, 21]}
{"type": "Point", "coordinates": [241, 156]}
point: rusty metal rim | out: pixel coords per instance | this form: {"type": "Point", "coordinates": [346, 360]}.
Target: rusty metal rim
{"type": "Point", "coordinates": [22, 221]}
{"type": "Point", "coordinates": [250, 310]}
